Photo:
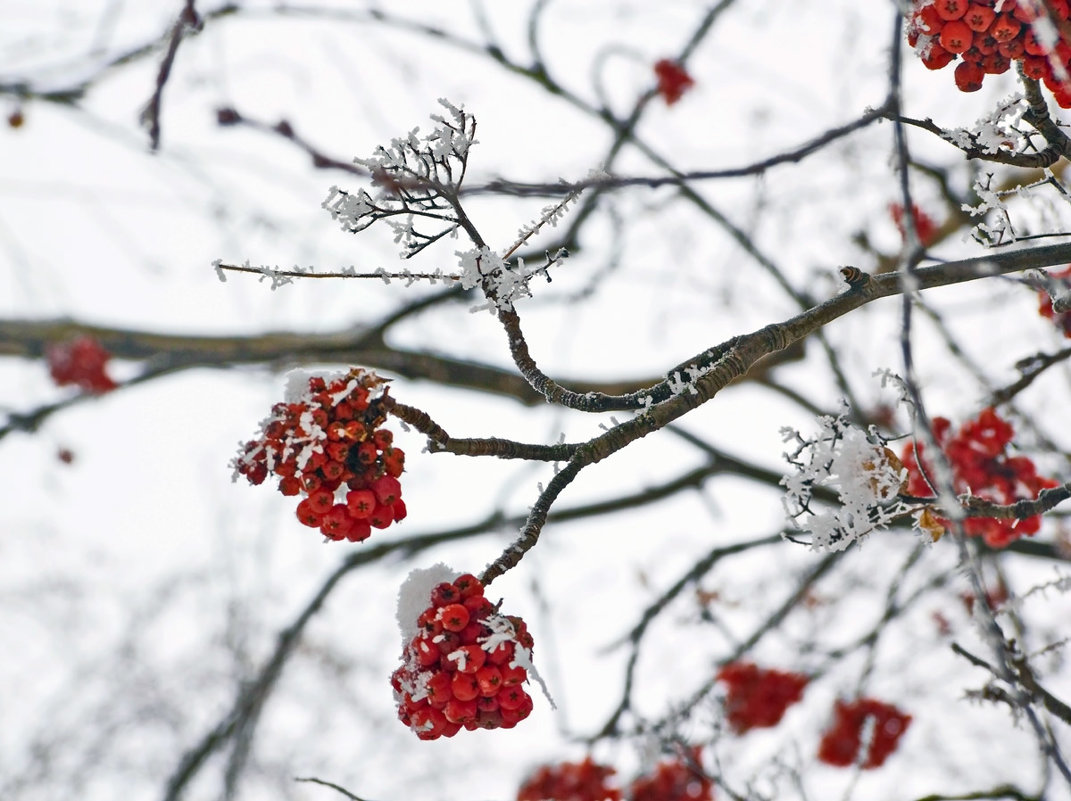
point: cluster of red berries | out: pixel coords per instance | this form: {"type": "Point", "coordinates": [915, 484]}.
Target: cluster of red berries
{"type": "Point", "coordinates": [81, 362]}
{"type": "Point", "coordinates": [465, 666]}
{"type": "Point", "coordinates": [679, 779]}
{"type": "Point", "coordinates": [673, 80]}
{"type": "Point", "coordinates": [758, 697]}
{"type": "Point", "coordinates": [925, 227]}
{"type": "Point", "coordinates": [843, 741]}
{"type": "Point", "coordinates": [1061, 320]}
{"type": "Point", "coordinates": [329, 445]}
{"type": "Point", "coordinates": [982, 467]}
{"type": "Point", "coordinates": [571, 781]}
{"type": "Point", "coordinates": [988, 35]}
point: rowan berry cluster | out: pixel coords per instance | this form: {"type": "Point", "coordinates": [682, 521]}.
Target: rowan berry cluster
{"type": "Point", "coordinates": [758, 697]}
{"type": "Point", "coordinates": [852, 731]}
{"type": "Point", "coordinates": [82, 362]}
{"type": "Point", "coordinates": [328, 445]}
{"type": "Point", "coordinates": [673, 80]}
{"type": "Point", "coordinates": [988, 35]}
{"type": "Point", "coordinates": [925, 227]}
{"type": "Point", "coordinates": [465, 665]}
{"type": "Point", "coordinates": [571, 781]}
{"type": "Point", "coordinates": [1061, 320]}
{"type": "Point", "coordinates": [982, 467]}
{"type": "Point", "coordinates": [679, 779]}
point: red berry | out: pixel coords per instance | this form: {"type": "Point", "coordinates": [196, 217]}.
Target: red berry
{"type": "Point", "coordinates": [454, 617]}
{"type": "Point", "coordinates": [1004, 28]}
{"type": "Point", "coordinates": [936, 57]}
{"type": "Point", "coordinates": [361, 503]}
{"type": "Point", "coordinates": [956, 37]}
{"type": "Point", "coordinates": [969, 77]}
{"type": "Point", "coordinates": [950, 9]}
{"type": "Point", "coordinates": [307, 515]}
{"type": "Point", "coordinates": [979, 18]}
{"type": "Point", "coordinates": [359, 531]}
{"type": "Point", "coordinates": [382, 516]}
{"type": "Point", "coordinates": [489, 678]}
{"type": "Point", "coordinates": [465, 687]}
{"type": "Point", "coordinates": [444, 593]}
{"type": "Point", "coordinates": [387, 489]}
{"type": "Point", "coordinates": [468, 658]}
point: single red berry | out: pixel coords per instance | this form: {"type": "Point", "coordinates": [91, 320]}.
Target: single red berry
{"type": "Point", "coordinates": [489, 678]}
{"type": "Point", "coordinates": [1004, 28]}
{"type": "Point", "coordinates": [307, 514]}
{"type": "Point", "coordinates": [459, 710]}
{"type": "Point", "coordinates": [950, 9]}
{"type": "Point", "coordinates": [956, 37]}
{"type": "Point", "coordinates": [468, 658]}
{"type": "Point", "coordinates": [438, 688]}
{"type": "Point", "coordinates": [511, 697]}
{"type": "Point", "coordinates": [444, 593]}
{"type": "Point", "coordinates": [387, 489]}
{"type": "Point", "coordinates": [969, 77]}
{"type": "Point", "coordinates": [979, 18]}
{"type": "Point", "coordinates": [361, 503]}
{"type": "Point", "coordinates": [381, 517]}
{"type": "Point", "coordinates": [336, 524]}
{"type": "Point", "coordinates": [454, 617]}
{"type": "Point", "coordinates": [465, 687]}
{"type": "Point", "coordinates": [359, 531]}
{"type": "Point", "coordinates": [321, 501]}
{"type": "Point", "coordinates": [935, 57]}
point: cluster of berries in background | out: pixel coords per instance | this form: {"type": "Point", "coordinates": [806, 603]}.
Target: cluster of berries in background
{"type": "Point", "coordinates": [980, 463]}
{"type": "Point", "coordinates": [1061, 320]}
{"type": "Point", "coordinates": [328, 445]}
{"type": "Point", "coordinates": [758, 697]}
{"type": "Point", "coordinates": [571, 781]}
{"type": "Point", "coordinates": [862, 721]}
{"type": "Point", "coordinates": [678, 779]}
{"type": "Point", "coordinates": [673, 80]}
{"type": "Point", "coordinates": [465, 666]}
{"type": "Point", "coordinates": [82, 362]}
{"type": "Point", "coordinates": [925, 227]}
{"type": "Point", "coordinates": [988, 36]}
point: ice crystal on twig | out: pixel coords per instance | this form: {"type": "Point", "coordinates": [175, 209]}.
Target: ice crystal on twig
{"type": "Point", "coordinates": [416, 182]}
{"type": "Point", "coordinates": [857, 467]}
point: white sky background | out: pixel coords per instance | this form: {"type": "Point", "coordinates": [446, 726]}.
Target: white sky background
{"type": "Point", "coordinates": [139, 586]}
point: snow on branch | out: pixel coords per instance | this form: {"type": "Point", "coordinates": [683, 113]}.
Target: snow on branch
{"type": "Point", "coordinates": [416, 181]}
{"type": "Point", "coordinates": [858, 468]}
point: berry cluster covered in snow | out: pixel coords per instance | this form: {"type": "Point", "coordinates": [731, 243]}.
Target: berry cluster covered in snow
{"type": "Point", "coordinates": [464, 664]}
{"type": "Point", "coordinates": [866, 476]}
{"type": "Point", "coordinates": [864, 732]}
{"type": "Point", "coordinates": [758, 697]}
{"type": "Point", "coordinates": [981, 466]}
{"type": "Point", "coordinates": [989, 35]}
{"type": "Point", "coordinates": [81, 362]}
{"type": "Point", "coordinates": [327, 443]}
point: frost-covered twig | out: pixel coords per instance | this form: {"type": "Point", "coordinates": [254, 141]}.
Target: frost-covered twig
{"type": "Point", "coordinates": [866, 476]}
